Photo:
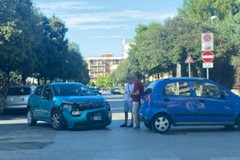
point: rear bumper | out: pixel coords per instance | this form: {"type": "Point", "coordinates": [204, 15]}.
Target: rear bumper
{"type": "Point", "coordinates": [15, 106]}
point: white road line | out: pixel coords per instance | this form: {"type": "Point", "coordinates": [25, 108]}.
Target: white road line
{"type": "Point", "coordinates": [225, 158]}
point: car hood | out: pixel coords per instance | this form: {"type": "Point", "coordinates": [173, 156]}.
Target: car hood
{"type": "Point", "coordinates": [79, 99]}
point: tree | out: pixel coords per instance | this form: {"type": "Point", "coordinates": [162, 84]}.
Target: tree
{"type": "Point", "coordinates": [16, 38]}
{"type": "Point", "coordinates": [204, 9]}
{"type": "Point", "coordinates": [103, 81]}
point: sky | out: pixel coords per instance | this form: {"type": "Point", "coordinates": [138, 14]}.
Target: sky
{"type": "Point", "coordinates": [99, 26]}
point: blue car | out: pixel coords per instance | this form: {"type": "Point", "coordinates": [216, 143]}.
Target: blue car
{"type": "Point", "coordinates": [68, 105]}
{"type": "Point", "coordinates": [189, 101]}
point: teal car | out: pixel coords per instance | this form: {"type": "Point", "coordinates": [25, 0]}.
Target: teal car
{"type": "Point", "coordinates": [68, 105]}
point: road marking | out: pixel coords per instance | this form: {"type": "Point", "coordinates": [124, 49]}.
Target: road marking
{"type": "Point", "coordinates": [165, 158]}
{"type": "Point", "coordinates": [225, 158]}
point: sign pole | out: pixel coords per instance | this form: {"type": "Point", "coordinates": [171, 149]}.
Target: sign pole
{"type": "Point", "coordinates": [189, 60]}
{"type": "Point", "coordinates": [207, 73]}
{"type": "Point", "coordinates": [189, 70]}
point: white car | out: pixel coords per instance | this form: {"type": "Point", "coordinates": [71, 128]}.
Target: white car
{"type": "Point", "coordinates": [16, 97]}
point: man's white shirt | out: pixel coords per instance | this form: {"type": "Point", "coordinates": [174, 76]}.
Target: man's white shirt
{"type": "Point", "coordinates": [128, 89]}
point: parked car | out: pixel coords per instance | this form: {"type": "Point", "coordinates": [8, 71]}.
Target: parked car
{"type": "Point", "coordinates": [189, 101]}
{"type": "Point", "coordinates": [116, 91]}
{"type": "Point", "coordinates": [68, 105]}
{"type": "Point", "coordinates": [16, 97]}
{"type": "Point", "coordinates": [95, 90]}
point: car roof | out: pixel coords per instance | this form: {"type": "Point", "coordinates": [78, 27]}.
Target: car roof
{"type": "Point", "coordinates": [20, 86]}
{"type": "Point", "coordinates": [63, 83]}
{"type": "Point", "coordinates": [184, 78]}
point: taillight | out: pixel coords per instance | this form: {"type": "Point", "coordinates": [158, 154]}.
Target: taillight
{"type": "Point", "coordinates": [148, 98]}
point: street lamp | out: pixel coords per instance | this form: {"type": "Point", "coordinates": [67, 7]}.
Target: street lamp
{"type": "Point", "coordinates": [212, 18]}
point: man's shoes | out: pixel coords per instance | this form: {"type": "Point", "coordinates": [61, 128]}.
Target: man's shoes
{"type": "Point", "coordinates": [123, 125]}
{"type": "Point", "coordinates": [131, 125]}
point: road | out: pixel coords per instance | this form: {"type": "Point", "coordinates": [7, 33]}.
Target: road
{"type": "Point", "coordinates": [21, 142]}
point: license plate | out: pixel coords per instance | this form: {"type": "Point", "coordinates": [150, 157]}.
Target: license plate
{"type": "Point", "coordinates": [18, 99]}
{"type": "Point", "coordinates": [97, 117]}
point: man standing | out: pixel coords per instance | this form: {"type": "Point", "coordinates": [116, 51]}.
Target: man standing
{"type": "Point", "coordinates": [127, 100]}
{"type": "Point", "coordinates": [136, 97]}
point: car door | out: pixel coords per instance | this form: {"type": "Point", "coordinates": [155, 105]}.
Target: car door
{"type": "Point", "coordinates": [177, 100]}
{"type": "Point", "coordinates": [46, 102]}
{"type": "Point", "coordinates": [214, 104]}
{"type": "Point", "coordinates": [35, 101]}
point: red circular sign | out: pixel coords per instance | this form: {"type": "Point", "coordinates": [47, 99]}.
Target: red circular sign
{"type": "Point", "coordinates": [207, 56]}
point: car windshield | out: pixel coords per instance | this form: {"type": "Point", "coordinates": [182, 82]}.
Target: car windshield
{"type": "Point", "coordinates": [71, 90]}
{"type": "Point", "coordinates": [18, 91]}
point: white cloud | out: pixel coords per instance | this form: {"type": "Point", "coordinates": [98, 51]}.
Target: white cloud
{"type": "Point", "coordinates": [67, 11]}
{"type": "Point", "coordinates": [109, 20]}
{"type": "Point", "coordinates": [67, 6]}
{"type": "Point", "coordinates": [99, 26]}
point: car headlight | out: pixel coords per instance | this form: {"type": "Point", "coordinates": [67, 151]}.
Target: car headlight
{"type": "Point", "coordinates": [76, 112]}
{"type": "Point", "coordinates": [67, 106]}
{"type": "Point", "coordinates": [107, 105]}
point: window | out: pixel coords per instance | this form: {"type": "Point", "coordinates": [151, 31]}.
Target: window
{"type": "Point", "coordinates": [19, 91]}
{"type": "Point", "coordinates": [38, 91]}
{"type": "Point", "coordinates": [47, 92]}
{"type": "Point", "coordinates": [177, 88]}
{"type": "Point", "coordinates": [208, 90]}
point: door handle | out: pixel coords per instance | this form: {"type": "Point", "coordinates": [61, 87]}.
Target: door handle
{"type": "Point", "coordinates": [201, 100]}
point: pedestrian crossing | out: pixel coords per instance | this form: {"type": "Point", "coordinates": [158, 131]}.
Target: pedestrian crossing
{"type": "Point", "coordinates": [176, 158]}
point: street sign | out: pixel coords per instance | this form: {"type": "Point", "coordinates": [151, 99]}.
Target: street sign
{"type": "Point", "coordinates": [208, 65]}
{"type": "Point", "coordinates": [207, 42]}
{"type": "Point", "coordinates": [207, 56]}
{"type": "Point", "coordinates": [189, 59]}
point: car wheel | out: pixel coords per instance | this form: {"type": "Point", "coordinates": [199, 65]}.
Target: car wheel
{"type": "Point", "coordinates": [30, 120]}
{"type": "Point", "coordinates": [149, 126]}
{"type": "Point", "coordinates": [161, 123]}
{"type": "Point", "coordinates": [57, 121]}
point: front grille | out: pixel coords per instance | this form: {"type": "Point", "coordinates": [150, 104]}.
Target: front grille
{"type": "Point", "coordinates": [88, 105]}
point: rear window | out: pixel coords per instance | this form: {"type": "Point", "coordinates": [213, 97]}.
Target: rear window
{"type": "Point", "coordinates": [18, 91]}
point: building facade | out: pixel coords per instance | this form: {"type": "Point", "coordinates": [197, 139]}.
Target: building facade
{"type": "Point", "coordinates": [104, 65]}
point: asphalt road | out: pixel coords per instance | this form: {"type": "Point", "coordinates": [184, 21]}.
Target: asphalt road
{"type": "Point", "coordinates": [21, 142]}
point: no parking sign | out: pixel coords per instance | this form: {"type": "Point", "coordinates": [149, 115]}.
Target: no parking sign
{"type": "Point", "coordinates": [207, 42]}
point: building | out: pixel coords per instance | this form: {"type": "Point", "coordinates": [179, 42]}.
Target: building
{"type": "Point", "coordinates": [126, 43]}
{"type": "Point", "coordinates": [104, 65]}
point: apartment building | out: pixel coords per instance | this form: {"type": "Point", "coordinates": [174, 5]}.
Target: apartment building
{"type": "Point", "coordinates": [104, 65]}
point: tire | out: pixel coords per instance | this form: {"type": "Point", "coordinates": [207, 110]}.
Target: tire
{"type": "Point", "coordinates": [30, 120]}
{"type": "Point", "coordinates": [149, 126]}
{"type": "Point", "coordinates": [57, 120]}
{"type": "Point", "coordinates": [161, 123]}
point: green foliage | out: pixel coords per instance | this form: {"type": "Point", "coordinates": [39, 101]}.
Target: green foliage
{"type": "Point", "coordinates": [159, 48]}
{"type": "Point", "coordinates": [34, 45]}
{"type": "Point", "coordinates": [103, 81]}
{"type": "Point", "coordinates": [204, 9]}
